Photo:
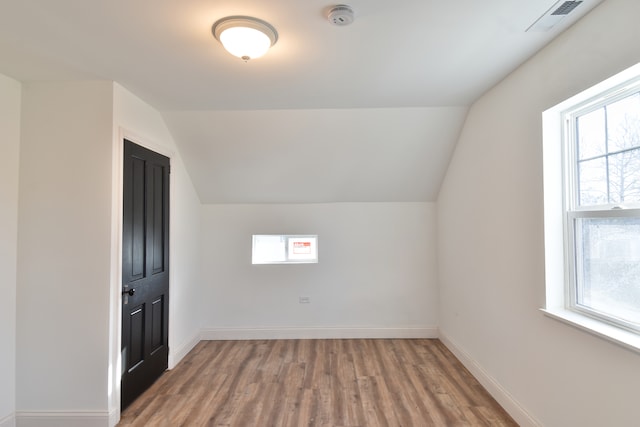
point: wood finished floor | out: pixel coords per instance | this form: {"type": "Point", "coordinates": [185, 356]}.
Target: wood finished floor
{"type": "Point", "coordinates": [337, 383]}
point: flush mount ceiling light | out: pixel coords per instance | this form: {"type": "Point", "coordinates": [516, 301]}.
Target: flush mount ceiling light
{"type": "Point", "coordinates": [244, 36]}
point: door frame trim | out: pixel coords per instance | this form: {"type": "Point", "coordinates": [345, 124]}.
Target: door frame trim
{"type": "Point", "coordinates": [115, 293]}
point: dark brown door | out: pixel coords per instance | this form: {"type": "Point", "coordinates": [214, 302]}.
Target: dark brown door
{"type": "Point", "coordinates": [145, 270]}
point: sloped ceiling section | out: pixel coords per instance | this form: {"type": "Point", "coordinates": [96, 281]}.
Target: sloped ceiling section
{"type": "Point", "coordinates": [301, 156]}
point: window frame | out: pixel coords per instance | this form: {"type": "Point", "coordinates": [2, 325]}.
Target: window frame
{"type": "Point", "coordinates": [561, 210]}
{"type": "Point", "coordinates": [572, 209]}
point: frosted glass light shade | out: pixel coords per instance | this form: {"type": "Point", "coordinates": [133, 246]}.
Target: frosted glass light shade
{"type": "Point", "coordinates": [245, 42]}
{"type": "Point", "coordinates": [245, 37]}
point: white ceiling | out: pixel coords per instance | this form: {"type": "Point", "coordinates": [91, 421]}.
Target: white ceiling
{"type": "Point", "coordinates": [367, 112]}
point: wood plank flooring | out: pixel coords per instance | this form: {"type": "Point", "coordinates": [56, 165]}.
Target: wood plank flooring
{"type": "Point", "coordinates": [337, 383]}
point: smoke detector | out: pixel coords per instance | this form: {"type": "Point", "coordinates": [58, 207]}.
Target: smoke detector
{"type": "Point", "coordinates": [340, 15]}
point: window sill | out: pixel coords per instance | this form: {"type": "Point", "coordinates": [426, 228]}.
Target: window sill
{"type": "Point", "coordinates": [626, 339]}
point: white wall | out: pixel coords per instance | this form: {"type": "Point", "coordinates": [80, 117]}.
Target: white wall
{"type": "Point", "coordinates": [68, 279]}
{"type": "Point", "coordinates": [10, 99]}
{"type": "Point", "coordinates": [375, 276]}
{"type": "Point", "coordinates": [490, 233]}
{"type": "Point", "coordinates": [140, 123]}
{"type": "Point", "coordinates": [64, 247]}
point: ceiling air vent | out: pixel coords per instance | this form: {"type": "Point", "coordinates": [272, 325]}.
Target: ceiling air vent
{"type": "Point", "coordinates": [554, 15]}
{"type": "Point", "coordinates": [566, 8]}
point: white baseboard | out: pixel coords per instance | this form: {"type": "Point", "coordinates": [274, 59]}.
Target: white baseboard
{"type": "Point", "coordinates": [502, 396]}
{"type": "Point", "coordinates": [176, 356]}
{"type": "Point", "coordinates": [213, 334]}
{"type": "Point", "coordinates": [8, 421]}
{"type": "Point", "coordinates": [62, 419]}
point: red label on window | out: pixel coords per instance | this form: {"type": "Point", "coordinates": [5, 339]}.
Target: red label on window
{"type": "Point", "coordinates": [301, 247]}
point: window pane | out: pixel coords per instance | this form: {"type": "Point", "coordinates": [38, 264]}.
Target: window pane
{"type": "Point", "coordinates": [591, 134]}
{"type": "Point", "coordinates": [268, 249]}
{"type": "Point", "coordinates": [609, 271]}
{"type": "Point", "coordinates": [624, 177]}
{"type": "Point", "coordinates": [303, 248]}
{"type": "Point", "coordinates": [623, 122]}
{"type": "Point", "coordinates": [593, 182]}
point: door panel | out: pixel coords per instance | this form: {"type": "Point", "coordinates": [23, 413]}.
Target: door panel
{"type": "Point", "coordinates": [157, 228]}
{"type": "Point", "coordinates": [136, 229]}
{"type": "Point", "coordinates": [136, 326]}
{"type": "Point", "coordinates": [145, 270]}
{"type": "Point", "coordinates": [157, 324]}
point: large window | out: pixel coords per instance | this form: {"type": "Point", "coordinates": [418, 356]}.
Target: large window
{"type": "Point", "coordinates": [602, 193]}
{"type": "Point", "coordinates": [599, 193]}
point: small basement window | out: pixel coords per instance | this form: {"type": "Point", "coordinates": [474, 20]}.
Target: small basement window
{"type": "Point", "coordinates": [284, 249]}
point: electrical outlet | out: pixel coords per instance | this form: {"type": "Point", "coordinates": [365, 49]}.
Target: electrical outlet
{"type": "Point", "coordinates": [304, 300]}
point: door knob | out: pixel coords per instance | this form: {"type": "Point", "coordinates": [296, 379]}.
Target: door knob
{"type": "Point", "coordinates": [130, 292]}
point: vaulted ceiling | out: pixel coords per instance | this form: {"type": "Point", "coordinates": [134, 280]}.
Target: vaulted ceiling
{"type": "Point", "coordinates": [365, 112]}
